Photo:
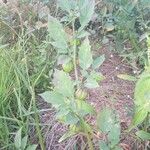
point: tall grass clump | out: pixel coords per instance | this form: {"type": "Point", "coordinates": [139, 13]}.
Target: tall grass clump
{"type": "Point", "coordinates": [22, 75]}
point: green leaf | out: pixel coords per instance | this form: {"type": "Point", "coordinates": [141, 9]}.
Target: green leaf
{"type": "Point", "coordinates": [143, 135]}
{"type": "Point", "coordinates": [96, 76]}
{"type": "Point", "coordinates": [59, 47]}
{"type": "Point", "coordinates": [32, 147]}
{"type": "Point", "coordinates": [63, 59]}
{"type": "Point", "coordinates": [24, 143]}
{"type": "Point", "coordinates": [91, 83]}
{"type": "Point", "coordinates": [85, 108]}
{"type": "Point", "coordinates": [84, 73]}
{"type": "Point", "coordinates": [64, 5]}
{"type": "Point", "coordinates": [117, 148]}
{"type": "Point", "coordinates": [66, 136]}
{"type": "Point", "coordinates": [57, 35]}
{"type": "Point", "coordinates": [71, 118]}
{"type": "Point", "coordinates": [126, 77]}
{"type": "Point", "coordinates": [114, 135]}
{"type": "Point", "coordinates": [139, 117]}
{"type": "Point", "coordinates": [103, 145]}
{"type": "Point", "coordinates": [63, 84]}
{"type": "Point", "coordinates": [85, 55]}
{"type": "Point", "coordinates": [98, 61]}
{"type": "Point", "coordinates": [18, 139]}
{"type": "Point", "coordinates": [67, 5]}
{"type": "Point", "coordinates": [142, 90]}
{"type": "Point", "coordinates": [63, 111]}
{"type": "Point", "coordinates": [55, 98]}
{"type": "Point", "coordinates": [83, 34]}
{"type": "Point", "coordinates": [109, 124]}
{"type": "Point", "coordinates": [107, 120]}
{"type": "Point", "coordinates": [86, 9]}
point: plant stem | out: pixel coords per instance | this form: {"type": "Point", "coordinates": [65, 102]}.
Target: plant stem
{"type": "Point", "coordinates": [89, 141]}
{"type": "Point", "coordinates": [87, 134]}
{"type": "Point", "coordinates": [74, 55]}
{"type": "Point", "coordinates": [77, 79]}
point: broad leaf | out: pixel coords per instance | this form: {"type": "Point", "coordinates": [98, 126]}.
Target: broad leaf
{"type": "Point", "coordinates": [63, 111]}
{"type": "Point", "coordinates": [57, 35]}
{"type": "Point", "coordinates": [32, 147]}
{"type": "Point", "coordinates": [96, 76]}
{"type": "Point", "coordinates": [63, 83]}
{"type": "Point", "coordinates": [55, 98]}
{"type": "Point", "coordinates": [143, 135]}
{"type": "Point", "coordinates": [18, 139]}
{"type": "Point", "coordinates": [85, 108]}
{"type": "Point", "coordinates": [114, 135]}
{"type": "Point", "coordinates": [104, 120]}
{"type": "Point", "coordinates": [139, 117]}
{"type": "Point", "coordinates": [142, 91]}
{"type": "Point", "coordinates": [83, 34]}
{"type": "Point", "coordinates": [107, 120]}
{"type": "Point", "coordinates": [67, 5]}
{"type": "Point", "coordinates": [84, 73]}
{"type": "Point", "coordinates": [85, 55]}
{"type": "Point", "coordinates": [71, 118]}
{"type": "Point", "coordinates": [63, 59]}
{"type": "Point", "coordinates": [64, 5]}
{"type": "Point", "coordinates": [103, 145]}
{"type": "Point", "coordinates": [24, 143]}
{"type": "Point", "coordinates": [86, 9]}
{"type": "Point", "coordinates": [109, 124]}
{"type": "Point", "coordinates": [98, 61]}
{"type": "Point", "coordinates": [59, 47]}
{"type": "Point", "coordinates": [91, 83]}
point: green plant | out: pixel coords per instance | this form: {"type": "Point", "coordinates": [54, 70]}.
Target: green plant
{"type": "Point", "coordinates": [81, 94]}
{"type": "Point", "coordinates": [109, 126]}
{"type": "Point", "coordinates": [15, 99]}
{"type": "Point", "coordinates": [19, 81]}
{"type": "Point", "coordinates": [24, 73]}
{"type": "Point", "coordinates": [67, 67]}
{"type": "Point", "coordinates": [141, 118]}
{"type": "Point", "coordinates": [21, 142]}
{"type": "Point", "coordinates": [67, 93]}
{"type": "Point", "coordinates": [142, 102]}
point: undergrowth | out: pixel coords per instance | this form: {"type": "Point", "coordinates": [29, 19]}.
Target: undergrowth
{"type": "Point", "coordinates": [33, 60]}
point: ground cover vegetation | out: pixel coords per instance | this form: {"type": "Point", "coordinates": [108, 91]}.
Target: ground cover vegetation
{"type": "Point", "coordinates": [54, 53]}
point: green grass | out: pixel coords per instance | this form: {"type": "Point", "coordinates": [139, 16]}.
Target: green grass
{"type": "Point", "coordinates": [17, 92]}
{"type": "Point", "coordinates": [25, 62]}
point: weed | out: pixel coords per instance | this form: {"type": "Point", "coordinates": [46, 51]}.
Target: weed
{"type": "Point", "coordinates": [142, 102]}
{"type": "Point", "coordinates": [141, 116]}
{"type": "Point", "coordinates": [69, 95]}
